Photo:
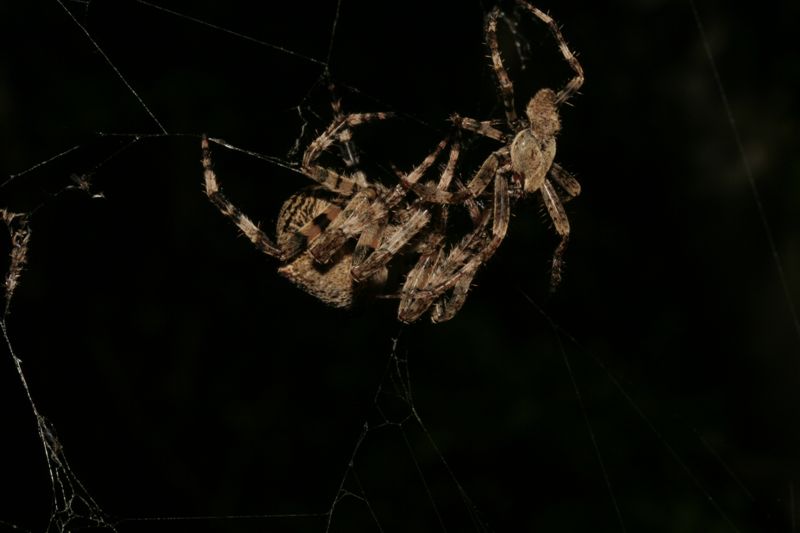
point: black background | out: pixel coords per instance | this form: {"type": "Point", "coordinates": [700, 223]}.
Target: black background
{"type": "Point", "coordinates": [185, 378]}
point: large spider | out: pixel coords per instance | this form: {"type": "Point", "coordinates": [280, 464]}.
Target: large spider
{"type": "Point", "coordinates": [523, 165]}
{"type": "Point", "coordinates": [317, 224]}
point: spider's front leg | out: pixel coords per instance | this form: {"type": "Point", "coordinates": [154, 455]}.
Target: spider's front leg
{"type": "Point", "coordinates": [574, 84]}
{"type": "Point", "coordinates": [506, 86]}
{"type": "Point", "coordinates": [250, 230]}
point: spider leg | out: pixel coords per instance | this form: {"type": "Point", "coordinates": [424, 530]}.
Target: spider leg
{"type": "Point", "coordinates": [473, 209]}
{"type": "Point", "coordinates": [447, 306]}
{"type": "Point", "coordinates": [369, 240]}
{"type": "Point", "coordinates": [328, 178]}
{"type": "Point", "coordinates": [450, 168]}
{"type": "Point", "coordinates": [474, 188]}
{"type": "Point", "coordinates": [392, 244]}
{"type": "Point", "coordinates": [325, 249]}
{"type": "Point", "coordinates": [348, 152]}
{"type": "Point", "coordinates": [360, 212]}
{"type": "Point", "coordinates": [506, 86]}
{"type": "Point", "coordinates": [367, 262]}
{"type": "Point", "coordinates": [459, 267]}
{"type": "Point", "coordinates": [347, 149]}
{"type": "Point", "coordinates": [412, 299]}
{"type": "Point", "coordinates": [484, 128]}
{"type": "Point", "coordinates": [409, 180]}
{"type": "Point", "coordinates": [576, 82]}
{"type": "Point", "coordinates": [250, 230]}
{"type": "Point", "coordinates": [565, 180]}
{"type": "Point", "coordinates": [421, 288]}
{"type": "Point", "coordinates": [559, 217]}
{"type": "Point", "coordinates": [501, 214]}
{"type": "Point", "coordinates": [366, 213]}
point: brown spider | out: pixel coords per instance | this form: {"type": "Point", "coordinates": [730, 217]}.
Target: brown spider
{"type": "Point", "coordinates": [316, 224]}
{"type": "Point", "coordinates": [524, 165]}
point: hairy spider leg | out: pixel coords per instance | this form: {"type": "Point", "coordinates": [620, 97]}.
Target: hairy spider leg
{"type": "Point", "coordinates": [576, 82]}
{"type": "Point", "coordinates": [367, 262]}
{"type": "Point", "coordinates": [433, 276]}
{"type": "Point", "coordinates": [565, 180]}
{"type": "Point", "coordinates": [365, 211]}
{"type": "Point", "coordinates": [506, 85]}
{"type": "Point", "coordinates": [245, 225]}
{"type": "Point", "coordinates": [328, 178]}
{"type": "Point", "coordinates": [559, 217]}
{"type": "Point", "coordinates": [475, 187]}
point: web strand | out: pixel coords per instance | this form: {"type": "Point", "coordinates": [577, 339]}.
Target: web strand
{"type": "Point", "coordinates": [595, 445]}
{"type": "Point", "coordinates": [236, 34]}
{"type": "Point", "coordinates": [762, 215]}
{"type": "Point", "coordinates": [640, 413]}
{"type": "Point", "coordinates": [113, 67]}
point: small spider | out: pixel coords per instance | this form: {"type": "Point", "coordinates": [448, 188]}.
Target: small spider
{"type": "Point", "coordinates": [317, 225]}
{"type": "Point", "coordinates": [523, 166]}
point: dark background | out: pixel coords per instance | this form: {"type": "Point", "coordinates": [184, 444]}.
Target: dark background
{"type": "Point", "coordinates": [655, 391]}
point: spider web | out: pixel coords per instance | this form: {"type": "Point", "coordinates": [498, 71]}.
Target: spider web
{"type": "Point", "coordinates": [190, 385]}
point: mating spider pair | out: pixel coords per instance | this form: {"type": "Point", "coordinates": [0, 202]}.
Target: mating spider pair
{"type": "Point", "coordinates": [317, 225]}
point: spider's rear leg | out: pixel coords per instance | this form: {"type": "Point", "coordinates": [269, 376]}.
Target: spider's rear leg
{"type": "Point", "coordinates": [250, 230]}
{"type": "Point", "coordinates": [561, 223]}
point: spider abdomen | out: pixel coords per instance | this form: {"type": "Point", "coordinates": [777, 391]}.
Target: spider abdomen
{"type": "Point", "coordinates": [330, 282]}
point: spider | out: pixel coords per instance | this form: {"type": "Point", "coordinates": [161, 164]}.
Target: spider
{"type": "Point", "coordinates": [316, 224]}
{"type": "Point", "coordinates": [524, 165]}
